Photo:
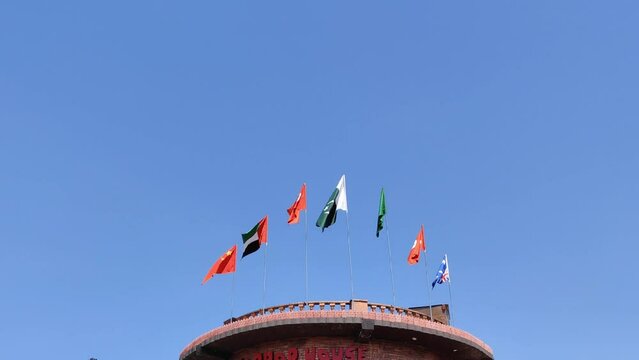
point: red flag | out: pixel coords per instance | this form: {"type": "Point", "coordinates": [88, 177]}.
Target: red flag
{"type": "Point", "coordinates": [225, 264]}
{"type": "Point", "coordinates": [262, 230]}
{"type": "Point", "coordinates": [298, 205]}
{"type": "Point", "coordinates": [418, 246]}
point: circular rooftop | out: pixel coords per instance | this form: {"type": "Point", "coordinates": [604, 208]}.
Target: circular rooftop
{"type": "Point", "coordinates": [330, 330]}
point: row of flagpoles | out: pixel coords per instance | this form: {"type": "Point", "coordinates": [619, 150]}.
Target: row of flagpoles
{"type": "Point", "coordinates": [258, 235]}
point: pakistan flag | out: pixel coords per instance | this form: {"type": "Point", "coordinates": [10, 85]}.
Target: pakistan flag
{"type": "Point", "coordinates": [337, 201]}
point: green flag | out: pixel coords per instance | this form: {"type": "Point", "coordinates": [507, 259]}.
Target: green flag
{"type": "Point", "coordinates": [329, 213]}
{"type": "Point", "coordinates": [381, 213]}
{"type": "Point", "coordinates": [337, 201]}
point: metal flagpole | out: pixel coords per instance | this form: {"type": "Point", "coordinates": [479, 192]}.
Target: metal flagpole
{"type": "Point", "coordinates": [390, 260]}
{"type": "Point", "coordinates": [232, 295]}
{"type": "Point", "coordinates": [450, 294]}
{"type": "Point", "coordinates": [430, 304]}
{"type": "Point", "coordinates": [264, 289]}
{"type": "Point", "coordinates": [450, 312]}
{"type": "Point", "coordinates": [350, 261]}
{"type": "Point", "coordinates": [306, 256]}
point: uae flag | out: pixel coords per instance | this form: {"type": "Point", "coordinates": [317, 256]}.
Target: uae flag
{"type": "Point", "coordinates": [255, 237]}
{"type": "Point", "coordinates": [337, 201]}
{"type": "Point", "coordinates": [225, 264]}
{"type": "Point", "coordinates": [418, 246]}
{"type": "Point", "coordinates": [298, 205]}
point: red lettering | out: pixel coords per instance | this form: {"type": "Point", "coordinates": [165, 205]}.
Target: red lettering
{"type": "Point", "coordinates": [257, 356]}
{"type": "Point", "coordinates": [360, 353]}
{"type": "Point", "coordinates": [292, 354]}
{"type": "Point", "coordinates": [280, 356]}
{"type": "Point", "coordinates": [336, 354]}
{"type": "Point", "coordinates": [322, 354]}
{"type": "Point", "coordinates": [268, 356]}
{"type": "Point", "coordinates": [350, 353]}
{"type": "Point", "coordinates": [309, 354]}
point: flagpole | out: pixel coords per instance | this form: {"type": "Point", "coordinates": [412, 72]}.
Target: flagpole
{"type": "Point", "coordinates": [232, 295]}
{"type": "Point", "coordinates": [390, 260]}
{"type": "Point", "coordinates": [430, 303]}
{"type": "Point", "coordinates": [306, 256]}
{"type": "Point", "coordinates": [450, 306]}
{"type": "Point", "coordinates": [450, 294]}
{"type": "Point", "coordinates": [350, 261]}
{"type": "Point", "coordinates": [264, 289]}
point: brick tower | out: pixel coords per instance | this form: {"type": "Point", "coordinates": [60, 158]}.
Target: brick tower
{"type": "Point", "coordinates": [338, 330]}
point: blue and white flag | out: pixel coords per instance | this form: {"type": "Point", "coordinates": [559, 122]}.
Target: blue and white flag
{"type": "Point", "coordinates": [442, 275]}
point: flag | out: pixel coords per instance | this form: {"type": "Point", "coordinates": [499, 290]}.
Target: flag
{"type": "Point", "coordinates": [225, 264]}
{"type": "Point", "coordinates": [442, 275]}
{"type": "Point", "coordinates": [298, 205]}
{"type": "Point", "coordinates": [418, 246]}
{"type": "Point", "coordinates": [255, 237]}
{"type": "Point", "coordinates": [381, 212]}
{"type": "Point", "coordinates": [341, 196]}
{"type": "Point", "coordinates": [337, 201]}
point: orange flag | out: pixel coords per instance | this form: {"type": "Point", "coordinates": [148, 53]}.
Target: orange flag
{"type": "Point", "coordinates": [298, 205]}
{"type": "Point", "coordinates": [262, 230]}
{"type": "Point", "coordinates": [225, 264]}
{"type": "Point", "coordinates": [418, 246]}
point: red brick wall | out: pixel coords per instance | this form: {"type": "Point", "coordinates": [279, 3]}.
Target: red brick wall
{"type": "Point", "coordinates": [444, 332]}
{"type": "Point", "coordinates": [335, 349]}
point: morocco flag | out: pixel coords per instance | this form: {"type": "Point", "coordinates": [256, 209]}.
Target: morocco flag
{"type": "Point", "coordinates": [418, 246]}
{"type": "Point", "coordinates": [225, 264]}
{"type": "Point", "coordinates": [256, 236]}
{"type": "Point", "coordinates": [298, 205]}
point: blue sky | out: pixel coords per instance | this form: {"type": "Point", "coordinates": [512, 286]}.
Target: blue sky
{"type": "Point", "coordinates": [138, 140]}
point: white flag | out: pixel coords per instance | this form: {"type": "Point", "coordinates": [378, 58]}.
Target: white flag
{"type": "Point", "coordinates": [342, 204]}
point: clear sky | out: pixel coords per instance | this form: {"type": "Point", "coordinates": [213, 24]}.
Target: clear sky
{"type": "Point", "coordinates": [138, 140]}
